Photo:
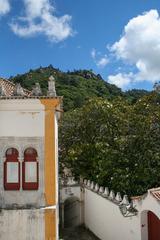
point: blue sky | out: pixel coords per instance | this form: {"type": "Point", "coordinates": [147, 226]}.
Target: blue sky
{"type": "Point", "coordinates": [118, 39]}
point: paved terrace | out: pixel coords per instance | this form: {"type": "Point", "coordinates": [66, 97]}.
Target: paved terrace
{"type": "Point", "coordinates": [79, 233]}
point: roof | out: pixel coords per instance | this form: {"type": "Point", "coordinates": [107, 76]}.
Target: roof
{"type": "Point", "coordinates": [155, 193]}
{"type": "Point", "coordinates": [9, 88]}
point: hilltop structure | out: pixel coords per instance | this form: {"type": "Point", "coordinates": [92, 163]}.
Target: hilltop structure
{"type": "Point", "coordinates": [29, 162]}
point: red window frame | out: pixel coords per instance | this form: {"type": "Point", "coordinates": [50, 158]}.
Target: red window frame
{"type": "Point", "coordinates": [30, 155]}
{"type": "Point", "coordinates": [11, 158]}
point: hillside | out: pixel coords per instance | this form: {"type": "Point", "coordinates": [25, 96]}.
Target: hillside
{"type": "Point", "coordinates": [76, 87]}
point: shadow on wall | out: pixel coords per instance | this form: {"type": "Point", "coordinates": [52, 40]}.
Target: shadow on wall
{"type": "Point", "coordinates": [70, 213]}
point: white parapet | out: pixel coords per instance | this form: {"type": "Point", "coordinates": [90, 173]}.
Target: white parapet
{"type": "Point", "coordinates": [92, 185]}
{"type": "Point", "coordinates": [101, 190]}
{"type": "Point", "coordinates": [106, 192]}
{"type": "Point", "coordinates": [118, 197]}
{"type": "Point", "coordinates": [112, 195]}
{"type": "Point", "coordinates": [125, 200]}
{"type": "Point", "coordinates": [96, 187]}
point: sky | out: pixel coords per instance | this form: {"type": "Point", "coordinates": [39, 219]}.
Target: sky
{"type": "Point", "coordinates": [118, 39]}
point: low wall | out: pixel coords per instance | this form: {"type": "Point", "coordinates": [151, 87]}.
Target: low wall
{"type": "Point", "coordinates": [104, 218]}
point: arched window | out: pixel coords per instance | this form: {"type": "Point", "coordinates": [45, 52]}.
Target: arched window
{"type": "Point", "coordinates": [12, 170]}
{"type": "Point", "coordinates": [30, 172]}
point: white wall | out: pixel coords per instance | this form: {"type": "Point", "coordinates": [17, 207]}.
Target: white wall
{"type": "Point", "coordinates": [22, 224]}
{"type": "Point", "coordinates": [105, 220]}
{"type": "Point", "coordinates": [70, 191]}
{"type": "Point", "coordinates": [22, 197]}
{"type": "Point", "coordinates": [22, 125]}
{"type": "Point", "coordinates": [21, 118]}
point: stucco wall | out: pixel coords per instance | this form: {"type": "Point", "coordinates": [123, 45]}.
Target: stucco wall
{"type": "Point", "coordinates": [105, 220]}
{"type": "Point", "coordinates": [22, 125]}
{"type": "Point", "coordinates": [70, 191]}
{"type": "Point", "coordinates": [22, 224]}
{"type": "Point", "coordinates": [28, 224]}
{"type": "Point", "coordinates": [30, 123]}
{"type": "Point", "coordinates": [21, 118]}
{"type": "Point", "coordinates": [22, 197]}
{"type": "Point", "coordinates": [71, 205]}
{"type": "Point", "coordinates": [56, 176]}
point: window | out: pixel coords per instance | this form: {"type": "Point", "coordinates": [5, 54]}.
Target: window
{"type": "Point", "coordinates": [30, 172]}
{"type": "Point", "coordinates": [12, 170]}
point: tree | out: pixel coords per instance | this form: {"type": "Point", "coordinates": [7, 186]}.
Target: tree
{"type": "Point", "coordinates": [114, 143]}
{"type": "Point", "coordinates": [92, 138]}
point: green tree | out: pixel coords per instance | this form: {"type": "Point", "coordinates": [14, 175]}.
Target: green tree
{"type": "Point", "coordinates": [114, 143]}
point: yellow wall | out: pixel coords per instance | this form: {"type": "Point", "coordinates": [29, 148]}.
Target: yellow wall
{"type": "Point", "coordinates": [50, 166]}
{"type": "Point", "coordinates": [50, 224]}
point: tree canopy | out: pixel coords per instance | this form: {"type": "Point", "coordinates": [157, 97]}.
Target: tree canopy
{"type": "Point", "coordinates": [114, 143]}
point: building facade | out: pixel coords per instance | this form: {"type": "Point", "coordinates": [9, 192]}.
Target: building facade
{"type": "Point", "coordinates": [29, 162]}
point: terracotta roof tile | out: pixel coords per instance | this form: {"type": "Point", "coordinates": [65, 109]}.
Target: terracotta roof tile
{"type": "Point", "coordinates": [8, 92]}
{"type": "Point", "coordinates": [9, 87]}
{"type": "Point", "coordinates": [155, 193]}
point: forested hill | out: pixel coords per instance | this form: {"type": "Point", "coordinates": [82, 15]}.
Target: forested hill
{"type": "Point", "coordinates": [76, 87]}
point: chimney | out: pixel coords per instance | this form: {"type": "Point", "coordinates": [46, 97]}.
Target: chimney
{"type": "Point", "coordinates": [37, 90]}
{"type": "Point", "coordinates": [2, 91]}
{"type": "Point", "coordinates": [18, 91]}
{"type": "Point", "coordinates": [51, 87]}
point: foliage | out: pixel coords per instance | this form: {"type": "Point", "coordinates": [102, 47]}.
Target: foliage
{"type": "Point", "coordinates": [114, 143]}
{"type": "Point", "coordinates": [106, 135]}
{"type": "Point", "coordinates": [135, 94]}
{"type": "Point", "coordinates": [76, 87]}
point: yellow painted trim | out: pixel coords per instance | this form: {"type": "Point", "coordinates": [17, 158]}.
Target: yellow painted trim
{"type": "Point", "coordinates": [50, 224]}
{"type": "Point", "coordinates": [50, 165]}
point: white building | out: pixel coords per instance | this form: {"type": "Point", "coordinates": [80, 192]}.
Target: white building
{"type": "Point", "coordinates": [29, 162]}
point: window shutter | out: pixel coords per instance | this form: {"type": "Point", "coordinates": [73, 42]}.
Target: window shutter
{"type": "Point", "coordinates": [12, 170]}
{"type": "Point", "coordinates": [30, 170]}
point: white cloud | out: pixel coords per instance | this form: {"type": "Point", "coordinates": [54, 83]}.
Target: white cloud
{"type": "Point", "coordinates": [140, 46]}
{"type": "Point", "coordinates": [93, 53]}
{"type": "Point", "coordinates": [4, 7]}
{"type": "Point", "coordinates": [122, 80]}
{"type": "Point", "coordinates": [40, 18]}
{"type": "Point", "coordinates": [34, 8]}
{"type": "Point", "coordinates": [103, 62]}
{"type": "Point", "coordinates": [100, 61]}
